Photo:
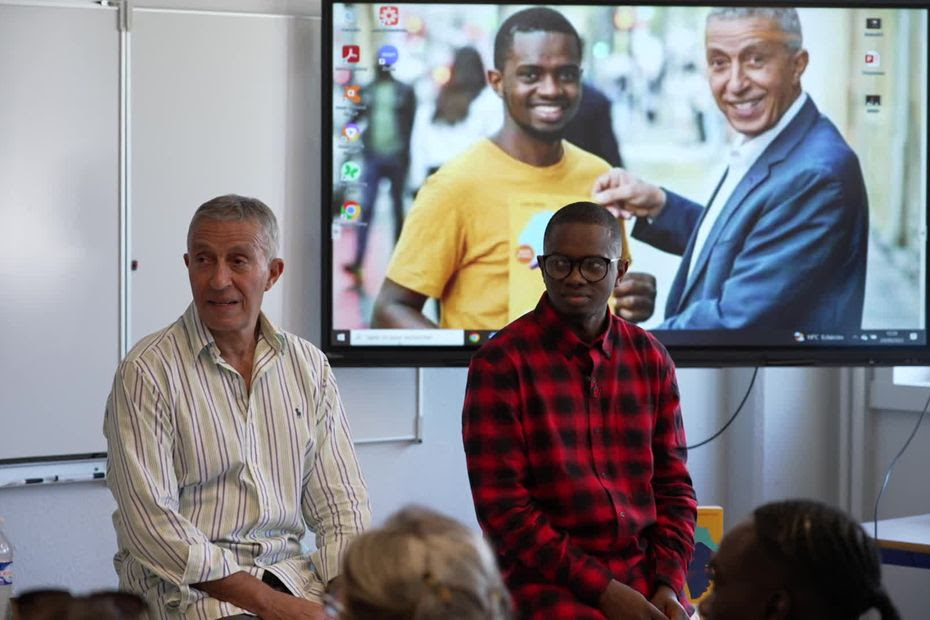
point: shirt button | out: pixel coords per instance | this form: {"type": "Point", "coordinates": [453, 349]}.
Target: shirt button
{"type": "Point", "coordinates": [623, 515]}
{"type": "Point", "coordinates": [604, 474]}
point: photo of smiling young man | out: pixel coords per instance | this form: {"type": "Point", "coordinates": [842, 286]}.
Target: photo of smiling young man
{"type": "Point", "coordinates": [789, 212]}
{"type": "Point", "coordinates": [475, 228]}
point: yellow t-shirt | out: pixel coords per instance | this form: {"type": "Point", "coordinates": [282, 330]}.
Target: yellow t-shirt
{"type": "Point", "coordinates": [474, 231]}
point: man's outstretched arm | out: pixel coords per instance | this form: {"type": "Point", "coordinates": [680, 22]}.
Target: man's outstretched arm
{"type": "Point", "coordinates": [398, 306]}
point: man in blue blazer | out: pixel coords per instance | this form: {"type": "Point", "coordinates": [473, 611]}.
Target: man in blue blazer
{"type": "Point", "coordinates": [782, 243]}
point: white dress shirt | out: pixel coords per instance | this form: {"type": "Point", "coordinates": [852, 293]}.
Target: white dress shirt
{"type": "Point", "coordinates": [211, 479]}
{"type": "Point", "coordinates": [743, 154]}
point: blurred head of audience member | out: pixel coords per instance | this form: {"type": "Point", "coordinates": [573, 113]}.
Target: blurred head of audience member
{"type": "Point", "coordinates": [62, 605]}
{"type": "Point", "coordinates": [466, 81]}
{"type": "Point", "coordinates": [798, 560]}
{"type": "Point", "coordinates": [422, 565]}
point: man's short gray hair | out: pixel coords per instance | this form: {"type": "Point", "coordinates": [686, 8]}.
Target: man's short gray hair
{"type": "Point", "coordinates": [785, 17]}
{"type": "Point", "coordinates": [233, 207]}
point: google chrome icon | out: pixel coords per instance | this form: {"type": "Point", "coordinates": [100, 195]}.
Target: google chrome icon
{"type": "Point", "coordinates": [350, 211]}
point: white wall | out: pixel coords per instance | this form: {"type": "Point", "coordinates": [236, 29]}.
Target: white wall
{"type": "Point", "coordinates": [788, 442]}
{"type": "Point", "coordinates": [890, 421]}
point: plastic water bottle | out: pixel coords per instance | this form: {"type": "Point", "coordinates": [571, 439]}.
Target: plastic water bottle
{"type": "Point", "coordinates": [6, 574]}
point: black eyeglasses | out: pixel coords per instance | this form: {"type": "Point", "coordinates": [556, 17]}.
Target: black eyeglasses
{"type": "Point", "coordinates": [592, 268]}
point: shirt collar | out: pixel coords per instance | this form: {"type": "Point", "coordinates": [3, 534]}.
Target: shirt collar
{"type": "Point", "coordinates": [748, 149]}
{"type": "Point", "coordinates": [560, 336]}
{"type": "Point", "coordinates": [200, 337]}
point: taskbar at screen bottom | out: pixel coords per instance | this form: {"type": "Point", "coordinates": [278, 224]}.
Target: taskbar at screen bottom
{"type": "Point", "coordinates": [786, 338]}
{"type": "Point", "coordinates": [410, 337]}
{"type": "Point", "coordinates": [669, 337]}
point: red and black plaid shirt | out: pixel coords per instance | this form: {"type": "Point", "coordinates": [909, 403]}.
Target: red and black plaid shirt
{"type": "Point", "coordinates": [577, 462]}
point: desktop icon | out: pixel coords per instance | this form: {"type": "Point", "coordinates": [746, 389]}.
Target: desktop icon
{"type": "Point", "coordinates": [342, 76]}
{"type": "Point", "coordinates": [350, 211]}
{"type": "Point", "coordinates": [474, 337]}
{"type": "Point", "coordinates": [388, 15]}
{"type": "Point", "coordinates": [873, 59]}
{"type": "Point", "coordinates": [350, 133]}
{"type": "Point", "coordinates": [348, 16]}
{"type": "Point", "coordinates": [387, 55]}
{"type": "Point", "coordinates": [353, 93]}
{"type": "Point", "coordinates": [799, 337]}
{"type": "Point", "coordinates": [351, 53]}
{"type": "Point", "coordinates": [873, 23]}
{"type": "Point", "coordinates": [873, 101]}
{"type": "Point", "coordinates": [351, 171]}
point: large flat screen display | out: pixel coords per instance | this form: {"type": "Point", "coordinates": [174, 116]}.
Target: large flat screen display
{"type": "Point", "coordinates": [788, 146]}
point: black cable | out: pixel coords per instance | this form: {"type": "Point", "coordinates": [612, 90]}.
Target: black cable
{"type": "Point", "coordinates": [732, 417]}
{"type": "Point", "coordinates": [888, 471]}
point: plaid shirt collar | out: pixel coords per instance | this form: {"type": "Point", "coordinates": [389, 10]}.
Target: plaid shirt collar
{"type": "Point", "coordinates": [558, 336]}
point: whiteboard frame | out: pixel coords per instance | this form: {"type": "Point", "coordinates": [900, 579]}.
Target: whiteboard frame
{"type": "Point", "coordinates": [54, 470]}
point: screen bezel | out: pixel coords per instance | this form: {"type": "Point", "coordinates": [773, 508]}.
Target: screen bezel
{"type": "Point", "coordinates": [683, 355]}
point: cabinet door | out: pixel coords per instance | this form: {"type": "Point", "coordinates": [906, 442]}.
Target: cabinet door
{"type": "Point", "coordinates": [220, 104]}
{"type": "Point", "coordinates": [59, 217]}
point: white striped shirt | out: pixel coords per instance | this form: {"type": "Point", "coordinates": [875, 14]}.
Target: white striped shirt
{"type": "Point", "coordinates": [211, 479]}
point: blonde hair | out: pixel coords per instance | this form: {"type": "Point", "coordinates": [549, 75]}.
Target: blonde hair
{"type": "Point", "coordinates": [422, 565]}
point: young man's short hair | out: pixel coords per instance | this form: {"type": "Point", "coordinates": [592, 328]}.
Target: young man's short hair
{"type": "Point", "coordinates": [536, 19]}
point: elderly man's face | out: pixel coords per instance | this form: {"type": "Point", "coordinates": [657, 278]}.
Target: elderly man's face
{"type": "Point", "coordinates": [229, 274]}
{"type": "Point", "coordinates": [753, 75]}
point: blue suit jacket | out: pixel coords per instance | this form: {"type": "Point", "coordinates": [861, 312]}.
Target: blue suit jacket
{"type": "Point", "coordinates": [788, 250]}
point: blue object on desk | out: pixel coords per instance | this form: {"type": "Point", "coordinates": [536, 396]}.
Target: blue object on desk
{"type": "Point", "coordinates": [904, 541]}
{"type": "Point", "coordinates": [900, 557]}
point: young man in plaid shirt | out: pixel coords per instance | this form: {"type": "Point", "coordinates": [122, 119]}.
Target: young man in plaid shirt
{"type": "Point", "coordinates": [575, 443]}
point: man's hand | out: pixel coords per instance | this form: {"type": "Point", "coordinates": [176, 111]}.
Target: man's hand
{"type": "Point", "coordinates": [252, 594]}
{"type": "Point", "coordinates": [621, 602]}
{"type": "Point", "coordinates": [282, 606]}
{"type": "Point", "coordinates": [627, 195]}
{"type": "Point", "coordinates": [636, 296]}
{"type": "Point", "coordinates": [666, 601]}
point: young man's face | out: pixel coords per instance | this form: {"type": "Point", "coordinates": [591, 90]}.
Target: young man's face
{"type": "Point", "coordinates": [575, 297]}
{"type": "Point", "coordinates": [540, 82]}
{"type": "Point", "coordinates": [753, 74]}
{"type": "Point", "coordinates": [745, 586]}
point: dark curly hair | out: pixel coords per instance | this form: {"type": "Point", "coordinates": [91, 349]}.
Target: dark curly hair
{"type": "Point", "coordinates": [825, 557]}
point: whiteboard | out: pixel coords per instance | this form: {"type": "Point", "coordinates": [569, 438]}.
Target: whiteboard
{"type": "Point", "coordinates": [59, 260]}
{"type": "Point", "coordinates": [220, 103]}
